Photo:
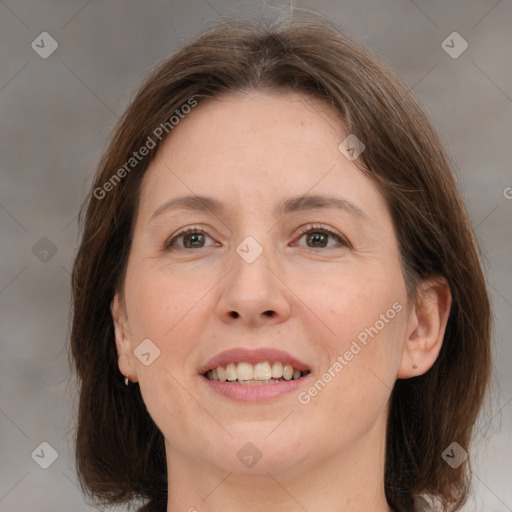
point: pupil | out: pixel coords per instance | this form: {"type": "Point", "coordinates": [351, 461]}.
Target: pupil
{"type": "Point", "coordinates": [193, 238]}
{"type": "Point", "coordinates": [315, 237]}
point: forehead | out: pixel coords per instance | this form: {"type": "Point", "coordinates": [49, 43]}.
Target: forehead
{"type": "Point", "coordinates": [256, 148]}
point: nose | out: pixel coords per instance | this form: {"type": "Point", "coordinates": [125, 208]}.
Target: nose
{"type": "Point", "coordinates": [254, 293]}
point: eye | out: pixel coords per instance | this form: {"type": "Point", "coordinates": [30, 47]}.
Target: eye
{"type": "Point", "coordinates": [318, 236]}
{"type": "Point", "coordinates": [193, 238]}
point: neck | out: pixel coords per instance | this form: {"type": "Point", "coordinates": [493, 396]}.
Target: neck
{"type": "Point", "coordinates": [341, 482]}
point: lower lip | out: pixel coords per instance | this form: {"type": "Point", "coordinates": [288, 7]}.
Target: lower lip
{"type": "Point", "coordinates": [257, 393]}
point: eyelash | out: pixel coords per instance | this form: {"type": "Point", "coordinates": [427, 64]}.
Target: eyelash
{"type": "Point", "coordinates": [302, 231]}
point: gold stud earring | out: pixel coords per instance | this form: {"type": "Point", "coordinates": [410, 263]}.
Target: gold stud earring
{"type": "Point", "coordinates": [126, 379]}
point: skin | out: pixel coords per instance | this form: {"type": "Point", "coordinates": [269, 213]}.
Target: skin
{"type": "Point", "coordinates": [251, 150]}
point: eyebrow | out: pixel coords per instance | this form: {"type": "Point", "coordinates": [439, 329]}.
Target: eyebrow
{"type": "Point", "coordinates": [301, 203]}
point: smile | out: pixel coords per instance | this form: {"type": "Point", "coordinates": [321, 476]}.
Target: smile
{"type": "Point", "coordinates": [254, 375]}
{"type": "Point", "coordinates": [250, 374]}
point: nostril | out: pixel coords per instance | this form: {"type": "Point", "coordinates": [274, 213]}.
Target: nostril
{"type": "Point", "coordinates": [269, 313]}
{"type": "Point", "coordinates": [234, 314]}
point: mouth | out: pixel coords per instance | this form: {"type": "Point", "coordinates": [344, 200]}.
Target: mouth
{"type": "Point", "coordinates": [254, 375]}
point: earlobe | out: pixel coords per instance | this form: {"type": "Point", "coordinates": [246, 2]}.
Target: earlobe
{"type": "Point", "coordinates": [426, 327]}
{"type": "Point", "coordinates": [123, 339]}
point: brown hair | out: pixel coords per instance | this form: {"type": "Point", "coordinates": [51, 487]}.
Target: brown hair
{"type": "Point", "coordinates": [119, 450]}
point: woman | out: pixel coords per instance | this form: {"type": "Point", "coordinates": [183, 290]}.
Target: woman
{"type": "Point", "coordinates": [278, 300]}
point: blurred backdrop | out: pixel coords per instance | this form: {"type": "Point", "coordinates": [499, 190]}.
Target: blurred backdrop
{"type": "Point", "coordinates": [67, 72]}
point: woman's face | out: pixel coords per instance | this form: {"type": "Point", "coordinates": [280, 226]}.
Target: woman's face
{"type": "Point", "coordinates": [318, 279]}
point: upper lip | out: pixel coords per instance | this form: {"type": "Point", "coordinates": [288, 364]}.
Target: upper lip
{"type": "Point", "coordinates": [247, 355]}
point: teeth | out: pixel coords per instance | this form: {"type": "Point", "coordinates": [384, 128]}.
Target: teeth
{"type": "Point", "coordinates": [260, 373]}
{"type": "Point", "coordinates": [221, 373]}
{"type": "Point", "coordinates": [245, 372]}
{"type": "Point", "coordinates": [231, 372]}
{"type": "Point", "coordinates": [277, 370]}
{"type": "Point", "coordinates": [256, 382]}
{"type": "Point", "coordinates": [287, 372]}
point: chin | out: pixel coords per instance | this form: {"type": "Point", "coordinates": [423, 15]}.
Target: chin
{"type": "Point", "coordinates": [253, 453]}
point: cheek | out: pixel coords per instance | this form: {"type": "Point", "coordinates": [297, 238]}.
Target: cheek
{"type": "Point", "coordinates": [161, 311]}
{"type": "Point", "coordinates": [366, 316]}
{"type": "Point", "coordinates": [362, 305]}
{"type": "Point", "coordinates": [161, 299]}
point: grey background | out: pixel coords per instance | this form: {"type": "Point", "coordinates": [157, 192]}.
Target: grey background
{"type": "Point", "coordinates": [56, 114]}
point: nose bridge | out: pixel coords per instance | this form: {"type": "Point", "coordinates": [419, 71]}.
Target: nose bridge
{"type": "Point", "coordinates": [252, 291]}
{"type": "Point", "coordinates": [252, 263]}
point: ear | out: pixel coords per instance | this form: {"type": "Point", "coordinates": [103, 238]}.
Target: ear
{"type": "Point", "coordinates": [125, 356]}
{"type": "Point", "coordinates": [426, 327]}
